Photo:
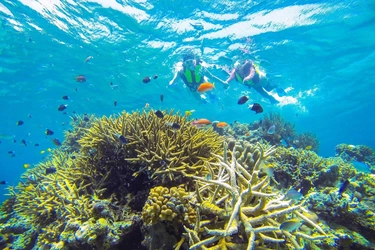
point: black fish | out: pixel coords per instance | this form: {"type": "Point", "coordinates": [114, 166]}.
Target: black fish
{"type": "Point", "coordinates": [305, 187]}
{"type": "Point", "coordinates": [14, 141]}
{"type": "Point", "coordinates": [161, 97]}
{"type": "Point", "coordinates": [111, 83]}
{"type": "Point", "coordinates": [50, 170]}
{"type": "Point", "coordinates": [65, 97]}
{"type": "Point", "coordinates": [56, 142]}
{"type": "Point", "coordinates": [115, 103]}
{"type": "Point", "coordinates": [147, 79]}
{"type": "Point", "coordinates": [23, 142]}
{"type": "Point", "coordinates": [155, 77]}
{"type": "Point", "coordinates": [36, 144]}
{"type": "Point", "coordinates": [257, 108]}
{"type": "Point", "coordinates": [344, 187]}
{"type": "Point", "coordinates": [11, 152]}
{"type": "Point", "coordinates": [176, 126]}
{"type": "Point", "coordinates": [62, 107]}
{"type": "Point", "coordinates": [3, 182]}
{"type": "Point", "coordinates": [243, 100]}
{"type": "Point", "coordinates": [19, 123]}
{"type": "Point", "coordinates": [122, 139]}
{"type": "Point", "coordinates": [159, 114]}
{"type": "Point", "coordinates": [49, 132]}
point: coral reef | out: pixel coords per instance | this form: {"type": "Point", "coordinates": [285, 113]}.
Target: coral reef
{"type": "Point", "coordinates": [239, 209]}
{"type": "Point", "coordinates": [284, 133]}
{"type": "Point", "coordinates": [90, 195]}
{"type": "Point", "coordinates": [360, 153]}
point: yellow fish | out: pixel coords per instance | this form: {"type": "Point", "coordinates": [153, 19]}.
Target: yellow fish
{"type": "Point", "coordinates": [49, 149]}
{"type": "Point", "coordinates": [42, 152]}
{"type": "Point", "coordinates": [29, 188]}
{"type": "Point", "coordinates": [308, 147]}
{"type": "Point", "coordinates": [290, 225]}
{"type": "Point", "coordinates": [26, 165]}
{"type": "Point", "coordinates": [189, 112]}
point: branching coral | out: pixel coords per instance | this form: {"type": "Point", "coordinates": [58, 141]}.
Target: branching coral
{"type": "Point", "coordinates": [236, 195]}
{"type": "Point", "coordinates": [153, 147]}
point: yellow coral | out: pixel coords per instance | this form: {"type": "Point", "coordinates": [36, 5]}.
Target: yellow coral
{"type": "Point", "coordinates": [164, 204]}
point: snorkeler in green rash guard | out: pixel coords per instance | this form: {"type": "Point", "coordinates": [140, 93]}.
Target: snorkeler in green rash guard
{"type": "Point", "coordinates": [246, 73]}
{"type": "Point", "coordinates": [193, 73]}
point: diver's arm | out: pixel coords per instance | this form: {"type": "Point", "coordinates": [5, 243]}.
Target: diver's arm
{"type": "Point", "coordinates": [174, 80]}
{"type": "Point", "coordinates": [215, 77]}
{"type": "Point", "coordinates": [250, 75]}
{"type": "Point", "coordinates": [231, 76]}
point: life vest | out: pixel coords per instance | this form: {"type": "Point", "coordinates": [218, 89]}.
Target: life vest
{"type": "Point", "coordinates": [253, 81]}
{"type": "Point", "coordinates": [192, 78]}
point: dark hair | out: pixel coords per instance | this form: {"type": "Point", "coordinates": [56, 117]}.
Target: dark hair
{"type": "Point", "coordinates": [188, 57]}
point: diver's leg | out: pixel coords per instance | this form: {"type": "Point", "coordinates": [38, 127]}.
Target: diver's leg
{"type": "Point", "coordinates": [263, 93]}
{"type": "Point", "coordinates": [267, 85]}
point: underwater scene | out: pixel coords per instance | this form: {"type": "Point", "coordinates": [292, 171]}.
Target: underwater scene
{"type": "Point", "coordinates": [170, 124]}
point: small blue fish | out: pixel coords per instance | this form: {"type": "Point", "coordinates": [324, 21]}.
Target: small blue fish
{"type": "Point", "coordinates": [271, 130]}
{"type": "Point", "coordinates": [360, 166]}
{"type": "Point", "coordinates": [293, 194]}
{"type": "Point", "coordinates": [290, 225]}
{"type": "Point", "coordinates": [344, 187]}
{"type": "Point", "coordinates": [121, 138]}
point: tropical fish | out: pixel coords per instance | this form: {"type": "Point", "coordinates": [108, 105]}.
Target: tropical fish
{"type": "Point", "coordinates": [147, 105]}
{"type": "Point", "coordinates": [290, 225]}
{"type": "Point", "coordinates": [50, 170]}
{"type": "Point", "coordinates": [65, 97]}
{"type": "Point", "coordinates": [146, 79]}
{"type": "Point", "coordinates": [80, 78]}
{"type": "Point", "coordinates": [23, 141]}
{"type": "Point", "coordinates": [155, 76]}
{"type": "Point", "coordinates": [268, 170]}
{"type": "Point", "coordinates": [161, 97]}
{"type": "Point", "coordinates": [305, 186]}
{"type": "Point", "coordinates": [201, 122]}
{"type": "Point", "coordinates": [121, 138]}
{"type": "Point", "coordinates": [159, 114]}
{"type": "Point", "coordinates": [19, 123]}
{"type": "Point", "coordinates": [344, 186]}
{"type": "Point", "coordinates": [49, 132]}
{"type": "Point", "coordinates": [243, 100]}
{"type": "Point", "coordinates": [221, 124]}
{"type": "Point", "coordinates": [271, 130]}
{"type": "Point", "coordinates": [36, 145]}
{"type": "Point", "coordinates": [6, 136]}
{"type": "Point", "coordinates": [29, 188]}
{"type": "Point", "coordinates": [204, 87]}
{"type": "Point", "coordinates": [247, 133]}
{"type": "Point", "coordinates": [56, 142]}
{"type": "Point", "coordinates": [3, 182]}
{"type": "Point", "coordinates": [26, 165]}
{"type": "Point", "coordinates": [88, 59]}
{"type": "Point", "coordinates": [42, 152]}
{"type": "Point", "coordinates": [115, 103]}
{"type": "Point", "coordinates": [62, 107]}
{"type": "Point", "coordinates": [293, 194]}
{"type": "Point", "coordinates": [256, 107]}
{"type": "Point", "coordinates": [173, 125]}
{"type": "Point", "coordinates": [189, 112]}
{"type": "Point", "coordinates": [308, 147]}
{"type": "Point", "coordinates": [361, 166]}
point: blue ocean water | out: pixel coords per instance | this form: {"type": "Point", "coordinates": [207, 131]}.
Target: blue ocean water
{"type": "Point", "coordinates": [321, 52]}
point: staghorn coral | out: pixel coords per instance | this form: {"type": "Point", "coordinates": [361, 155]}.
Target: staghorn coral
{"type": "Point", "coordinates": [238, 195]}
{"type": "Point", "coordinates": [80, 124]}
{"type": "Point", "coordinates": [154, 151]}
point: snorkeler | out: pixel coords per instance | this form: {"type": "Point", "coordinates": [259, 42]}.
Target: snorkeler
{"type": "Point", "coordinates": [246, 73]}
{"type": "Point", "coordinates": [194, 72]}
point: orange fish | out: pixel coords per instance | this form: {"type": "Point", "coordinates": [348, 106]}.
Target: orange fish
{"type": "Point", "coordinates": [204, 87]}
{"type": "Point", "coordinates": [221, 124]}
{"type": "Point", "coordinates": [201, 122]}
{"type": "Point", "coordinates": [247, 134]}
